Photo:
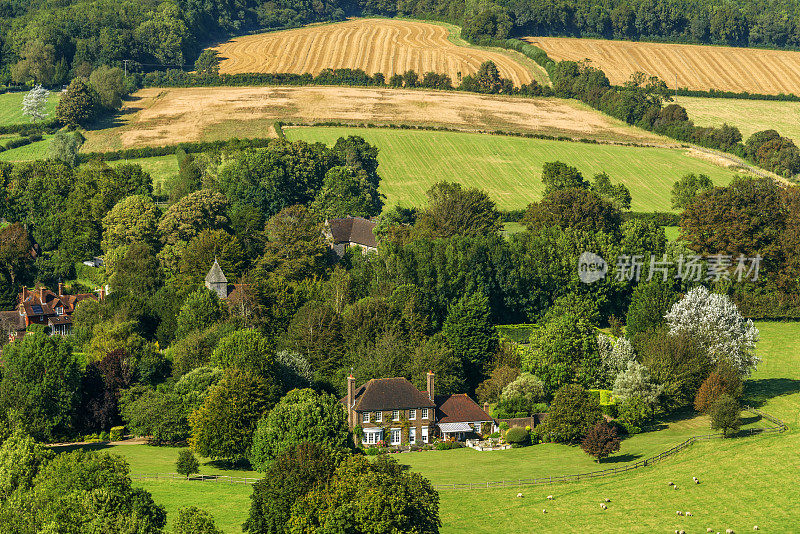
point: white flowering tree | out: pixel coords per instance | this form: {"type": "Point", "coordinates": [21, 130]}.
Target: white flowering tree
{"type": "Point", "coordinates": [35, 102]}
{"type": "Point", "coordinates": [715, 322]}
{"type": "Point", "coordinates": [634, 381]}
{"type": "Point", "coordinates": [615, 354]}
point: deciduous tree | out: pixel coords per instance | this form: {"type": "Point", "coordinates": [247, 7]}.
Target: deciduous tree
{"type": "Point", "coordinates": [601, 440]}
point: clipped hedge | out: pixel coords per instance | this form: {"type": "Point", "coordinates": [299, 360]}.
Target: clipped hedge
{"type": "Point", "coordinates": [518, 436]}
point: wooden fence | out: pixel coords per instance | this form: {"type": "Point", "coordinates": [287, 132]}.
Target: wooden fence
{"type": "Point", "coordinates": [778, 426]}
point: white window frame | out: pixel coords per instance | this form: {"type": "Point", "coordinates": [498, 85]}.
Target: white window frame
{"type": "Point", "coordinates": [378, 417]}
{"type": "Point", "coordinates": [424, 413]}
{"type": "Point", "coordinates": [424, 434]}
{"type": "Point", "coordinates": [412, 414]}
{"type": "Point", "coordinates": [365, 417]}
{"type": "Point", "coordinates": [396, 432]}
{"type": "Point", "coordinates": [395, 415]}
{"type": "Point", "coordinates": [412, 435]}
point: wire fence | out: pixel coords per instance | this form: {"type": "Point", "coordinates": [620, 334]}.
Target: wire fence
{"type": "Point", "coordinates": [777, 426]}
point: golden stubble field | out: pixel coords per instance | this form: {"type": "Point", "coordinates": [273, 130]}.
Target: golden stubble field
{"type": "Point", "coordinates": [157, 116]}
{"type": "Point", "coordinates": [698, 67]}
{"type": "Point", "coordinates": [374, 45]}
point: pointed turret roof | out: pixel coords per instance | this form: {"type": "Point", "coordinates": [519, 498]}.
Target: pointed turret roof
{"type": "Point", "coordinates": [215, 275]}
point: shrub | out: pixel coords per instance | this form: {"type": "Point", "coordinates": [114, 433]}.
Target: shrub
{"type": "Point", "coordinates": [187, 463]}
{"type": "Point", "coordinates": [633, 413]}
{"type": "Point", "coordinates": [572, 413]}
{"type": "Point", "coordinates": [724, 414]}
{"type": "Point", "coordinates": [193, 520]}
{"type": "Point", "coordinates": [518, 436]}
{"type": "Point", "coordinates": [103, 436]}
{"type": "Point", "coordinates": [117, 433]}
{"type": "Point", "coordinates": [79, 104]}
{"type": "Point", "coordinates": [601, 440]}
{"type": "Point", "coordinates": [724, 380]}
{"type": "Point", "coordinates": [447, 445]}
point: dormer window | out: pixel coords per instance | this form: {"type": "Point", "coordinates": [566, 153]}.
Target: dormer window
{"type": "Point", "coordinates": [59, 311]}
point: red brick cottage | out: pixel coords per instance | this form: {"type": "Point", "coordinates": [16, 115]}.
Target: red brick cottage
{"type": "Point", "coordinates": [394, 411]}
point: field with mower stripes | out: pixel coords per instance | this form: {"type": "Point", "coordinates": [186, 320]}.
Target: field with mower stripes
{"type": "Point", "coordinates": [509, 168]}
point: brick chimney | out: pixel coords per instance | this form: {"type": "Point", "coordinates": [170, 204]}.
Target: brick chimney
{"type": "Point", "coordinates": [24, 293]}
{"type": "Point", "coordinates": [351, 397]}
{"type": "Point", "coordinates": [60, 288]}
{"type": "Point", "coordinates": [41, 293]}
{"type": "Point", "coordinates": [486, 407]}
{"type": "Point", "coordinates": [430, 385]}
{"type": "Point", "coordinates": [102, 293]}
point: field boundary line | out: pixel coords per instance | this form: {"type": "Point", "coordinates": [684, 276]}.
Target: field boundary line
{"type": "Point", "coordinates": [778, 426]}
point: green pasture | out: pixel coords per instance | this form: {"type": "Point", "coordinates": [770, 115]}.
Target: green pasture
{"type": "Point", "coordinates": [11, 108]}
{"type": "Point", "coordinates": [509, 168]}
{"type": "Point", "coordinates": [749, 116]}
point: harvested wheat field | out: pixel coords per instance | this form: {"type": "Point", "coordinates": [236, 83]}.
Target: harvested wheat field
{"type": "Point", "coordinates": [698, 67]}
{"type": "Point", "coordinates": [374, 45]}
{"type": "Point", "coordinates": [156, 116]}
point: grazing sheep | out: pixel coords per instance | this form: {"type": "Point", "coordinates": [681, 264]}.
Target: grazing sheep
{"type": "Point", "coordinates": [755, 527]}
{"type": "Point", "coordinates": [671, 484]}
{"type": "Point", "coordinates": [675, 486]}
{"type": "Point", "coordinates": [709, 530]}
{"type": "Point", "coordinates": [550, 497]}
{"type": "Point", "coordinates": [678, 512]}
{"type": "Point", "coordinates": [608, 500]}
{"type": "Point", "coordinates": [603, 506]}
{"type": "Point", "coordinates": [696, 481]}
{"type": "Point", "coordinates": [689, 514]}
{"type": "Point", "coordinates": [682, 532]}
{"type": "Point", "coordinates": [519, 495]}
{"type": "Point", "coordinates": [728, 531]}
{"type": "Point", "coordinates": [544, 511]}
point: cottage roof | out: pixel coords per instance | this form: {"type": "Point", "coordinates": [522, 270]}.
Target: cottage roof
{"type": "Point", "coordinates": [353, 230]}
{"type": "Point", "coordinates": [459, 408]}
{"type": "Point", "coordinates": [215, 275]}
{"type": "Point", "coordinates": [383, 394]}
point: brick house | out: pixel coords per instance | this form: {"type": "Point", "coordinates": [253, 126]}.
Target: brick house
{"type": "Point", "coordinates": [44, 307]}
{"type": "Point", "coordinates": [394, 411]}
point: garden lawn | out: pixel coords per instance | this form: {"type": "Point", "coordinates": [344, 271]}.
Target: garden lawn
{"type": "Point", "coordinates": [11, 108]}
{"type": "Point", "coordinates": [509, 168]}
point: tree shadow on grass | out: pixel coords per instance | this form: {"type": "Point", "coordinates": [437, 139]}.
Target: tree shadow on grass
{"type": "Point", "coordinates": [621, 459]}
{"type": "Point", "coordinates": [230, 465]}
{"type": "Point", "coordinates": [757, 392]}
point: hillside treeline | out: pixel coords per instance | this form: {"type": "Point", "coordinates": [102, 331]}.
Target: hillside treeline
{"type": "Point", "coordinates": [52, 41]}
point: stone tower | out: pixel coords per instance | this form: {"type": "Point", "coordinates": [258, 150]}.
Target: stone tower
{"type": "Point", "coordinates": [216, 281]}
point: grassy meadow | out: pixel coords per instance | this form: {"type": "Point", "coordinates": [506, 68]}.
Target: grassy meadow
{"type": "Point", "coordinates": [37, 150]}
{"type": "Point", "coordinates": [744, 481]}
{"type": "Point", "coordinates": [509, 167]}
{"type": "Point", "coordinates": [749, 116]}
{"type": "Point", "coordinates": [11, 108]}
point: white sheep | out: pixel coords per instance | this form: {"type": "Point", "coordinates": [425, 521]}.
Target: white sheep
{"type": "Point", "coordinates": [671, 484]}
{"type": "Point", "coordinates": [678, 512]}
{"type": "Point", "coordinates": [608, 500]}
{"type": "Point", "coordinates": [689, 514]}
{"type": "Point", "coordinates": [675, 486]}
{"type": "Point", "coordinates": [682, 532]}
{"type": "Point", "coordinates": [709, 529]}
{"type": "Point", "coordinates": [604, 507]}
{"type": "Point", "coordinates": [728, 531]}
{"type": "Point", "coordinates": [550, 497]}
{"type": "Point", "coordinates": [755, 527]}
{"type": "Point", "coordinates": [696, 481]}
{"type": "Point", "coordinates": [519, 495]}
{"type": "Point", "coordinates": [544, 511]}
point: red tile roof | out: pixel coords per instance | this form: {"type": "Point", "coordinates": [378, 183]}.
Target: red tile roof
{"type": "Point", "coordinates": [459, 408]}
